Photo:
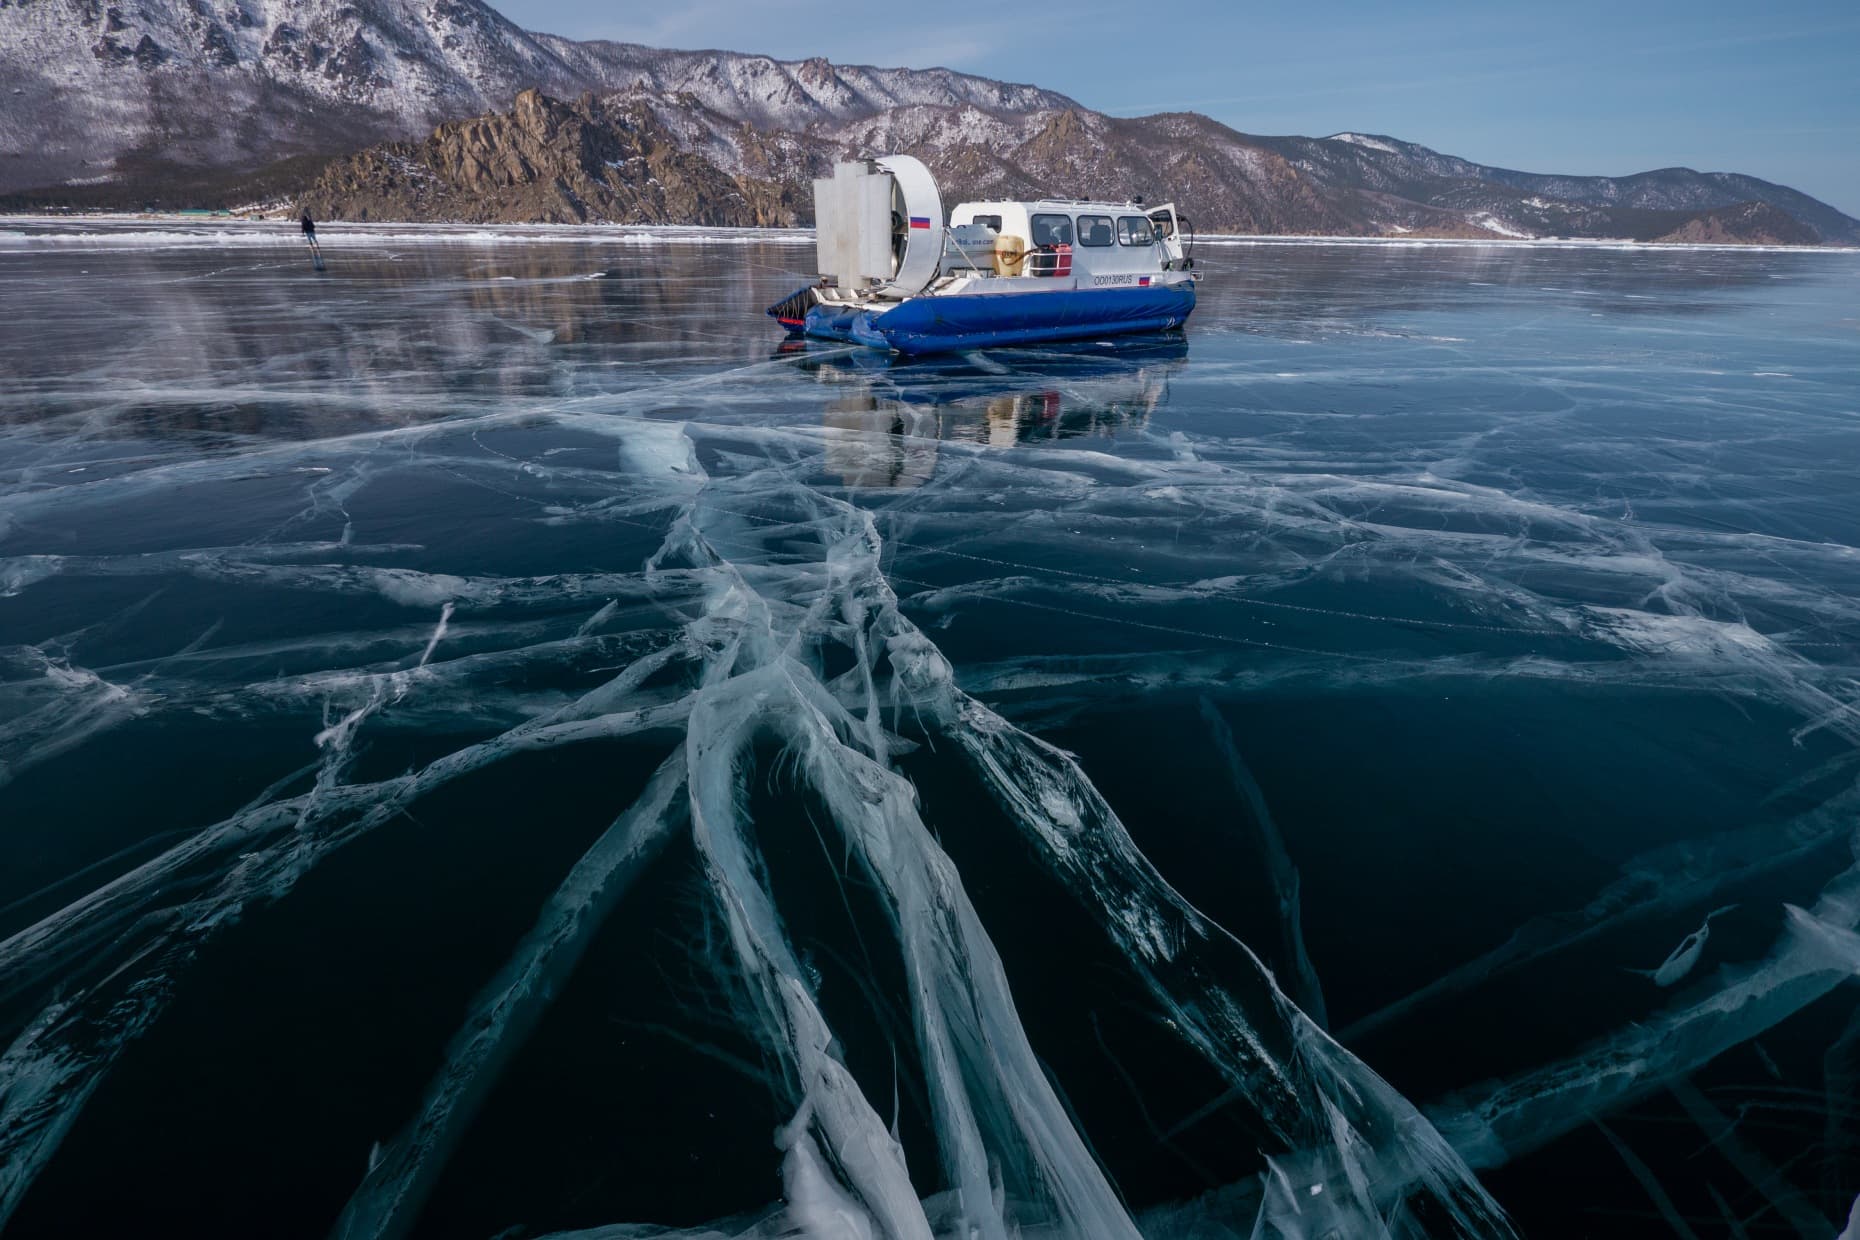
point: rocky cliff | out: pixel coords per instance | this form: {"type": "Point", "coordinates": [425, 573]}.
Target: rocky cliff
{"type": "Point", "coordinates": [551, 162]}
{"type": "Point", "coordinates": [1748, 223]}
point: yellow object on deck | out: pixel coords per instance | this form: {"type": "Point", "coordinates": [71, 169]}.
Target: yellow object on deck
{"type": "Point", "coordinates": [1010, 253]}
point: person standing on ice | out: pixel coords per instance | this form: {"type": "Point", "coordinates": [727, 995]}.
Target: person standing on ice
{"type": "Point", "coordinates": [309, 229]}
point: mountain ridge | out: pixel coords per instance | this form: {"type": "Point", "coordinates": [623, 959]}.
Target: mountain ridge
{"type": "Point", "coordinates": [176, 101]}
{"type": "Point", "coordinates": [634, 156]}
{"type": "Point", "coordinates": [94, 82]}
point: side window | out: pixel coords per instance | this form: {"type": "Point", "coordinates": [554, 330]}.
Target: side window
{"type": "Point", "coordinates": [1052, 230]}
{"type": "Point", "coordinates": [988, 221]}
{"type": "Point", "coordinates": [1135, 230]}
{"type": "Point", "coordinates": [1094, 230]}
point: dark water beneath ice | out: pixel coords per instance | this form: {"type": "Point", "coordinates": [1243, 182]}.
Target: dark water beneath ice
{"type": "Point", "coordinates": [1456, 628]}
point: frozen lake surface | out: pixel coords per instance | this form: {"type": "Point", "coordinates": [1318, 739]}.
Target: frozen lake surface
{"type": "Point", "coordinates": [492, 742]}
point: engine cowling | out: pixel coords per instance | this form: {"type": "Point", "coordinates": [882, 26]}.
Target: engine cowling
{"type": "Point", "coordinates": [879, 224]}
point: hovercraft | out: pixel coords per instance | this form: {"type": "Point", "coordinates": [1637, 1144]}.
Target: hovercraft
{"type": "Point", "coordinates": [895, 275]}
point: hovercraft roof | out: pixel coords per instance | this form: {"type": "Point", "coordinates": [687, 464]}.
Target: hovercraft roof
{"type": "Point", "coordinates": [1074, 205]}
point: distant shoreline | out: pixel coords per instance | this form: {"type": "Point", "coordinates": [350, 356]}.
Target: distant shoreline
{"type": "Point", "coordinates": [283, 228]}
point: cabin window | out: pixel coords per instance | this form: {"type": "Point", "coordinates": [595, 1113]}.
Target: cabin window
{"type": "Point", "coordinates": [1094, 230]}
{"type": "Point", "coordinates": [1052, 230]}
{"type": "Point", "coordinates": [988, 221]}
{"type": "Point", "coordinates": [1135, 230]}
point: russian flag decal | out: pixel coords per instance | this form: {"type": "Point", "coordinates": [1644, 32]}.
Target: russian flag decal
{"type": "Point", "coordinates": [1143, 281]}
{"type": "Point", "coordinates": [920, 221]}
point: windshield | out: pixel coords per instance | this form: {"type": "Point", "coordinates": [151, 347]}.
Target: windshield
{"type": "Point", "coordinates": [1052, 230]}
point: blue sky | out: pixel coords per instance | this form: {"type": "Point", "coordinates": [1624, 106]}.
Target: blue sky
{"type": "Point", "coordinates": [1772, 90]}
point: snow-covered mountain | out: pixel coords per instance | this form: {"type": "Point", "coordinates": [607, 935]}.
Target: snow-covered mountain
{"type": "Point", "coordinates": [95, 88]}
{"type": "Point", "coordinates": [1538, 203]}
{"type": "Point", "coordinates": [132, 101]}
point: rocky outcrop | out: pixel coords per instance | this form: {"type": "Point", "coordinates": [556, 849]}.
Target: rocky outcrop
{"type": "Point", "coordinates": [1747, 223]}
{"type": "Point", "coordinates": [546, 161]}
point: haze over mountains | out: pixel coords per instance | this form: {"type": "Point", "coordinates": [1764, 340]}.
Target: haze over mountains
{"type": "Point", "coordinates": [183, 102]}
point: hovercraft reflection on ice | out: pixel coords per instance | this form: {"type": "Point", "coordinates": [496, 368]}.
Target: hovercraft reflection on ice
{"type": "Point", "coordinates": [893, 276]}
{"type": "Point", "coordinates": [887, 419]}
